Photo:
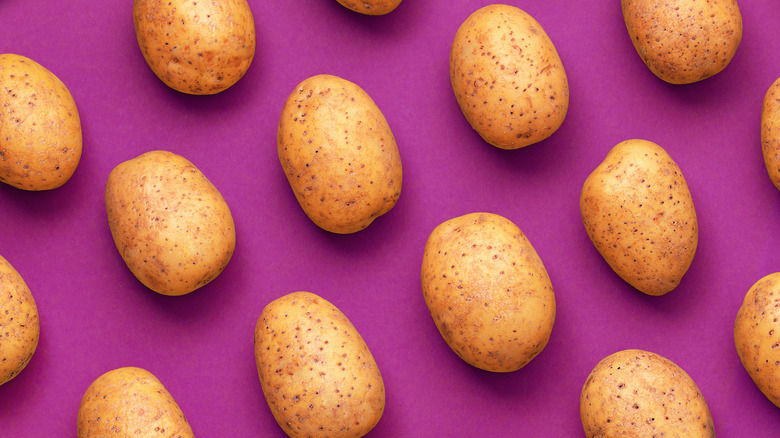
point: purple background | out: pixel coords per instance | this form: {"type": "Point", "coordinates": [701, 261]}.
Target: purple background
{"type": "Point", "coordinates": [95, 316]}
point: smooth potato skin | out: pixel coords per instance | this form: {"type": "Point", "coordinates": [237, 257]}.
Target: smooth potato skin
{"type": "Point", "coordinates": [130, 402]}
{"type": "Point", "coordinates": [508, 78]}
{"type": "Point", "coordinates": [638, 212]}
{"type": "Point", "coordinates": [317, 373]}
{"type": "Point", "coordinates": [19, 321]}
{"type": "Point", "coordinates": [636, 393]}
{"type": "Point", "coordinates": [40, 128]}
{"type": "Point", "coordinates": [339, 154]}
{"type": "Point", "coordinates": [487, 291]}
{"type": "Point", "coordinates": [770, 132]}
{"type": "Point", "coordinates": [371, 7]}
{"type": "Point", "coordinates": [170, 224]}
{"type": "Point", "coordinates": [684, 41]}
{"type": "Point", "coordinates": [196, 46]}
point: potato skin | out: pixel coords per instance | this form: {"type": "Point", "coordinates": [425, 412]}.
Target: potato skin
{"type": "Point", "coordinates": [371, 7]}
{"type": "Point", "coordinates": [196, 47]}
{"type": "Point", "coordinates": [508, 78]}
{"type": "Point", "coordinates": [639, 393]}
{"type": "Point", "coordinates": [130, 402]}
{"type": "Point", "coordinates": [338, 154]}
{"type": "Point", "coordinates": [170, 224]}
{"type": "Point", "coordinates": [487, 291]}
{"type": "Point", "coordinates": [19, 321]}
{"type": "Point", "coordinates": [40, 128]}
{"type": "Point", "coordinates": [639, 214]}
{"type": "Point", "coordinates": [684, 41]}
{"type": "Point", "coordinates": [770, 132]}
{"type": "Point", "coordinates": [317, 373]}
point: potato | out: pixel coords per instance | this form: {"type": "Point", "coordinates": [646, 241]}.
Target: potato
{"type": "Point", "coordinates": [371, 7]}
{"type": "Point", "coordinates": [20, 328]}
{"type": "Point", "coordinates": [508, 78]}
{"type": "Point", "coordinates": [770, 132]}
{"type": "Point", "coordinates": [40, 129]}
{"type": "Point", "coordinates": [684, 41]}
{"type": "Point", "coordinates": [317, 373]}
{"type": "Point", "coordinates": [196, 47]}
{"type": "Point", "coordinates": [757, 335]}
{"type": "Point", "coordinates": [130, 402]}
{"type": "Point", "coordinates": [338, 154]}
{"type": "Point", "coordinates": [642, 394]}
{"type": "Point", "coordinates": [487, 291]}
{"type": "Point", "coordinates": [638, 212]}
{"type": "Point", "coordinates": [170, 224]}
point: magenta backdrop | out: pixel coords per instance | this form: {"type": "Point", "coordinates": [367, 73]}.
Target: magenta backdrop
{"type": "Point", "coordinates": [95, 316]}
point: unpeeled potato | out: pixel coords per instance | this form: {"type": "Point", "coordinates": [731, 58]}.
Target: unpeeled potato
{"type": "Point", "coordinates": [371, 7]}
{"type": "Point", "coordinates": [770, 132]}
{"type": "Point", "coordinates": [20, 327]}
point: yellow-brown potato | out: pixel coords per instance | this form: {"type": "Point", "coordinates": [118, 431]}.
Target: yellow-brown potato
{"type": "Point", "coordinates": [371, 7]}
{"type": "Point", "coordinates": [642, 394]}
{"type": "Point", "coordinates": [317, 373]}
{"type": "Point", "coordinates": [757, 335]}
{"type": "Point", "coordinates": [770, 132]}
{"type": "Point", "coordinates": [508, 78]}
{"type": "Point", "coordinates": [684, 41]}
{"type": "Point", "coordinates": [170, 224]}
{"type": "Point", "coordinates": [338, 154]}
{"type": "Point", "coordinates": [196, 46]}
{"type": "Point", "coordinates": [638, 212]}
{"type": "Point", "coordinates": [130, 402]}
{"type": "Point", "coordinates": [488, 291]}
{"type": "Point", "coordinates": [40, 129]}
{"type": "Point", "coordinates": [19, 325]}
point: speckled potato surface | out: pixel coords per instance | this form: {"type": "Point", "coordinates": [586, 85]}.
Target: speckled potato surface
{"type": "Point", "coordinates": [684, 41]}
{"type": "Point", "coordinates": [757, 335]}
{"type": "Point", "coordinates": [639, 214]}
{"type": "Point", "coordinates": [508, 78]}
{"type": "Point", "coordinates": [339, 154]}
{"type": "Point", "coordinates": [40, 128]}
{"type": "Point", "coordinates": [20, 327]}
{"type": "Point", "coordinates": [487, 291]}
{"type": "Point", "coordinates": [371, 7]}
{"type": "Point", "coordinates": [636, 393]}
{"type": "Point", "coordinates": [317, 373]}
{"type": "Point", "coordinates": [172, 227]}
{"type": "Point", "coordinates": [130, 402]}
{"type": "Point", "coordinates": [196, 46]}
{"type": "Point", "coordinates": [770, 132]}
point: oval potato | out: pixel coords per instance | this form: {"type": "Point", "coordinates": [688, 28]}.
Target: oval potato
{"type": "Point", "coordinates": [770, 132]}
{"type": "Point", "coordinates": [19, 321]}
{"type": "Point", "coordinates": [371, 7]}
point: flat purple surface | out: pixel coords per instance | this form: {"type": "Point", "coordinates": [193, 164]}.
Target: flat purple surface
{"type": "Point", "coordinates": [95, 316]}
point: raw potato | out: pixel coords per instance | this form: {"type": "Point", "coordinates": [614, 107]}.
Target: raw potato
{"type": "Point", "coordinates": [170, 224]}
{"type": "Point", "coordinates": [508, 78]}
{"type": "Point", "coordinates": [19, 324]}
{"type": "Point", "coordinates": [684, 41]}
{"type": "Point", "coordinates": [642, 394]}
{"type": "Point", "coordinates": [770, 132]}
{"type": "Point", "coordinates": [40, 129]}
{"type": "Point", "coordinates": [338, 154]}
{"type": "Point", "coordinates": [371, 7]}
{"type": "Point", "coordinates": [488, 291]}
{"type": "Point", "coordinates": [317, 373]}
{"type": "Point", "coordinates": [196, 46]}
{"type": "Point", "coordinates": [130, 402]}
{"type": "Point", "coordinates": [638, 212]}
{"type": "Point", "coordinates": [757, 335]}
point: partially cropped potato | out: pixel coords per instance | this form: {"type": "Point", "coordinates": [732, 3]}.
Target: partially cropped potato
{"type": "Point", "coordinates": [317, 373]}
{"type": "Point", "coordinates": [19, 325]}
{"type": "Point", "coordinates": [172, 227]}
{"type": "Point", "coordinates": [40, 129]}
{"type": "Point", "coordinates": [130, 402]}
{"type": "Point", "coordinates": [636, 393]}
{"type": "Point", "coordinates": [638, 212]}
{"type": "Point", "coordinates": [487, 291]}
{"type": "Point", "coordinates": [338, 154]}
{"type": "Point", "coordinates": [770, 132]}
{"type": "Point", "coordinates": [508, 78]}
{"type": "Point", "coordinates": [371, 7]}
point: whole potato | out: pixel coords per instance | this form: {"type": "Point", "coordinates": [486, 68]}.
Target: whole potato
{"type": "Point", "coordinates": [684, 41]}
{"type": "Point", "coordinates": [317, 373]}
{"type": "Point", "coordinates": [40, 129]}
{"type": "Point", "coordinates": [508, 78]}
{"type": "Point", "coordinates": [196, 46]}
{"type": "Point", "coordinates": [20, 328]}
{"type": "Point", "coordinates": [371, 7]}
{"type": "Point", "coordinates": [170, 224]}
{"type": "Point", "coordinates": [638, 212]}
{"type": "Point", "coordinates": [770, 132]}
{"type": "Point", "coordinates": [642, 394]}
{"type": "Point", "coordinates": [130, 402]}
{"type": "Point", "coordinates": [487, 291]}
{"type": "Point", "coordinates": [338, 154]}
